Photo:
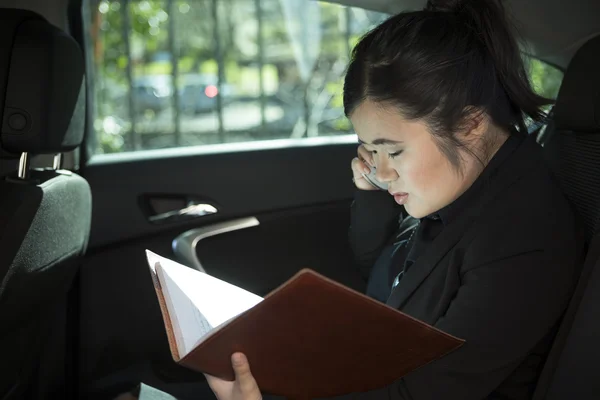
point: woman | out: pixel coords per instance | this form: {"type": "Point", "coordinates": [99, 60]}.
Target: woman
{"type": "Point", "coordinates": [487, 247]}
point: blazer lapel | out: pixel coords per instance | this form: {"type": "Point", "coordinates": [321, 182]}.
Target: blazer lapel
{"type": "Point", "coordinates": [522, 159]}
{"type": "Point", "coordinates": [425, 264]}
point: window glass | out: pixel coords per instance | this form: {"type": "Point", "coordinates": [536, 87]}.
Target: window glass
{"type": "Point", "coordinates": [172, 73]}
{"type": "Point", "coordinates": [545, 78]}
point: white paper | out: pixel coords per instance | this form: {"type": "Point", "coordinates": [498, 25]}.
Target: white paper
{"type": "Point", "coordinates": [197, 302]}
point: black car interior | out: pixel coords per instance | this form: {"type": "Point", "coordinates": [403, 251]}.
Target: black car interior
{"type": "Point", "coordinates": [573, 150]}
{"type": "Point", "coordinates": [78, 313]}
{"type": "Point", "coordinates": [45, 214]}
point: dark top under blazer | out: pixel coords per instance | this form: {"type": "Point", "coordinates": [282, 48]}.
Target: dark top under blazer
{"type": "Point", "coordinates": [498, 275]}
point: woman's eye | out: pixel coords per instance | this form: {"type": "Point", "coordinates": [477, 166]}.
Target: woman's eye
{"type": "Point", "coordinates": [394, 155]}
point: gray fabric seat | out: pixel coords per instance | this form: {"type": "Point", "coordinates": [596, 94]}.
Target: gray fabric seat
{"type": "Point", "coordinates": [573, 150]}
{"type": "Point", "coordinates": [44, 214]}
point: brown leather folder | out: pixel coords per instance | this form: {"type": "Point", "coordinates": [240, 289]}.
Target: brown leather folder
{"type": "Point", "coordinates": [313, 337]}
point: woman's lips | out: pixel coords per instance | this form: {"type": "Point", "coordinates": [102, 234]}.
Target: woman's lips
{"type": "Point", "coordinates": [400, 197]}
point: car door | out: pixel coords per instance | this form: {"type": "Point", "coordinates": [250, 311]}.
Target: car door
{"type": "Point", "coordinates": [252, 187]}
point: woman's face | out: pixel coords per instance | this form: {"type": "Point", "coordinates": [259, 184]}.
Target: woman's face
{"type": "Point", "coordinates": [418, 174]}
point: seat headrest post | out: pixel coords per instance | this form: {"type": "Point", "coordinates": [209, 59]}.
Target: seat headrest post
{"type": "Point", "coordinates": [24, 162]}
{"type": "Point", "coordinates": [57, 162]}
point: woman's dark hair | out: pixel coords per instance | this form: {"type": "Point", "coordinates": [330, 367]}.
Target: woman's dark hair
{"type": "Point", "coordinates": [442, 64]}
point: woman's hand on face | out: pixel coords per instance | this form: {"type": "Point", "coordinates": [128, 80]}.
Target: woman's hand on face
{"type": "Point", "coordinates": [243, 388]}
{"type": "Point", "coordinates": [361, 165]}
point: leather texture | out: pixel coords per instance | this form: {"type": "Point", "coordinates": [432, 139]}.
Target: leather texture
{"type": "Point", "coordinates": [313, 337]}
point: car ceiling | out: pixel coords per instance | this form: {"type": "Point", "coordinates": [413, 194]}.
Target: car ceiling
{"type": "Point", "coordinates": [553, 29]}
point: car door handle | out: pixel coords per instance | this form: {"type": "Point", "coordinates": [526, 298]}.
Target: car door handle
{"type": "Point", "coordinates": [184, 245]}
{"type": "Point", "coordinates": [193, 210]}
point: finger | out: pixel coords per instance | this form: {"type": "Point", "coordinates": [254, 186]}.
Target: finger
{"type": "Point", "coordinates": [359, 167]}
{"type": "Point", "coordinates": [365, 155]}
{"type": "Point", "coordinates": [243, 375]}
{"type": "Point", "coordinates": [216, 384]}
{"type": "Point", "coordinates": [210, 379]}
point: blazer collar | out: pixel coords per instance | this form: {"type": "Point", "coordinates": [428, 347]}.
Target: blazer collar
{"type": "Point", "coordinates": [454, 209]}
{"type": "Point", "coordinates": [511, 167]}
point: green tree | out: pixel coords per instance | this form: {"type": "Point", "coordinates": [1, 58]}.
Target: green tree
{"type": "Point", "coordinates": [129, 34]}
{"type": "Point", "coordinates": [545, 78]}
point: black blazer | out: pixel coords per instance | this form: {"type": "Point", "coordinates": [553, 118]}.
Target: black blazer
{"type": "Point", "coordinates": [499, 276]}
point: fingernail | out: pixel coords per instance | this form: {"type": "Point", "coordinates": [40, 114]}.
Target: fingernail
{"type": "Point", "coordinates": [237, 359]}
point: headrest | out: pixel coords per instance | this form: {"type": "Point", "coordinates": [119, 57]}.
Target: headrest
{"type": "Point", "coordinates": [42, 86]}
{"type": "Point", "coordinates": [578, 104]}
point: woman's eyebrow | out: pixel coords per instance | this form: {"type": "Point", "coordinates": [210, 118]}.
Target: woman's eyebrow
{"type": "Point", "coordinates": [381, 142]}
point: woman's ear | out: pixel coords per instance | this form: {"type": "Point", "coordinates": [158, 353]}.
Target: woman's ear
{"type": "Point", "coordinates": [475, 123]}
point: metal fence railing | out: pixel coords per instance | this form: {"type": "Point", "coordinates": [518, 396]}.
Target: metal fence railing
{"type": "Point", "coordinates": [216, 31]}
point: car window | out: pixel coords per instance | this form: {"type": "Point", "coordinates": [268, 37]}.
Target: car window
{"type": "Point", "coordinates": [175, 73]}
{"type": "Point", "coordinates": [545, 78]}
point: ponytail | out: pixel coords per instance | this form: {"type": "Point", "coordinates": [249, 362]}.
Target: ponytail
{"type": "Point", "coordinates": [490, 22]}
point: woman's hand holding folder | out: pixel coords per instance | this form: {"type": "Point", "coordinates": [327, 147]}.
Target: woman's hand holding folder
{"type": "Point", "coordinates": [243, 388]}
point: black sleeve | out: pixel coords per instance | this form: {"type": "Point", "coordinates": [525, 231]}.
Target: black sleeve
{"type": "Point", "coordinates": [374, 219]}
{"type": "Point", "coordinates": [502, 310]}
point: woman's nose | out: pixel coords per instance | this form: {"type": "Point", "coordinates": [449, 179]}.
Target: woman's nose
{"type": "Point", "coordinates": [385, 173]}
